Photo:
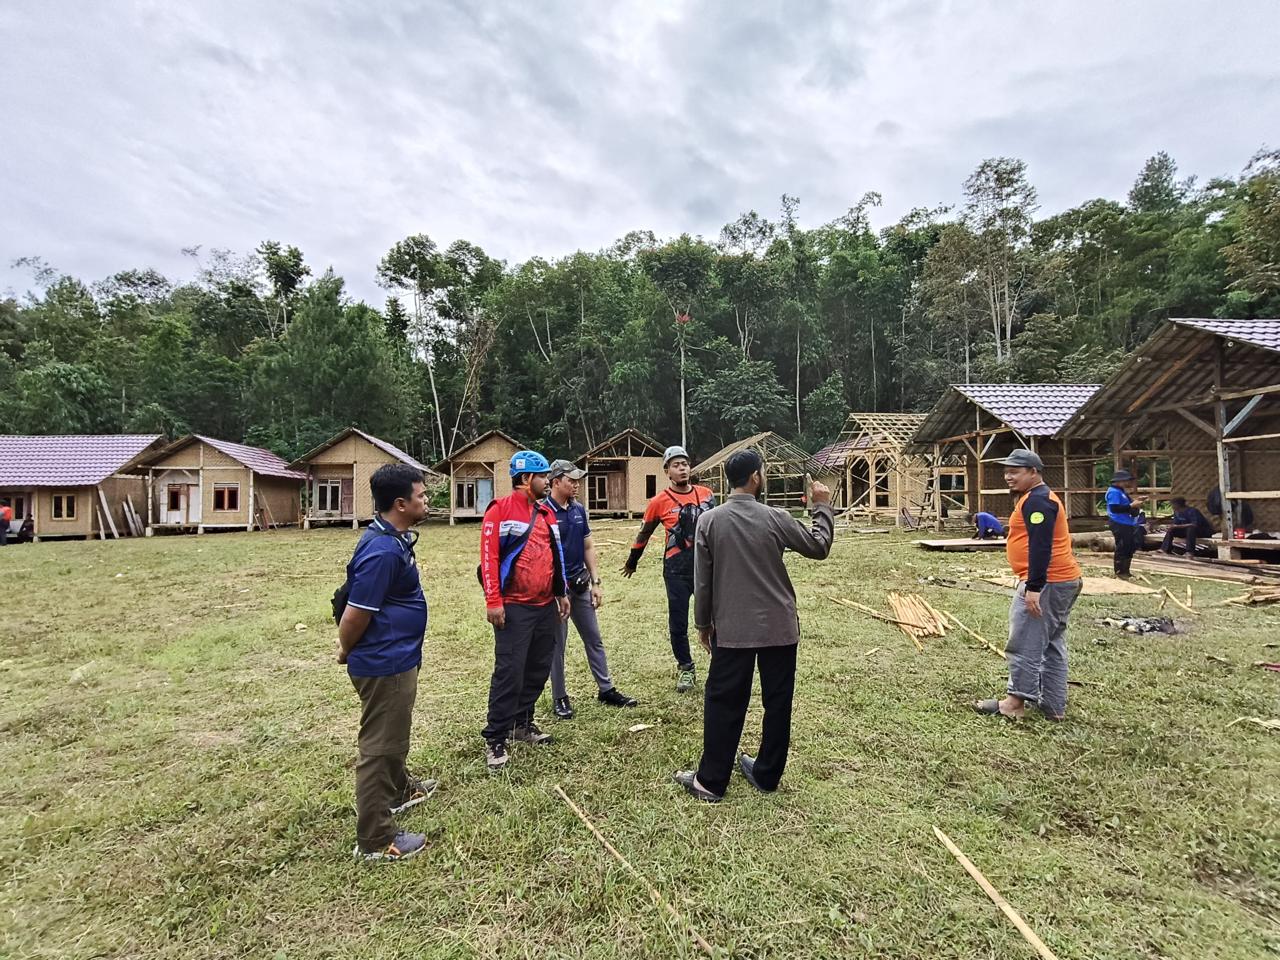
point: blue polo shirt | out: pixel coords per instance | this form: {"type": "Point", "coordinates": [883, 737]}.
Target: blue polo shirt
{"type": "Point", "coordinates": [574, 530]}
{"type": "Point", "coordinates": [384, 581]}
{"type": "Point", "coordinates": [988, 525]}
{"type": "Point", "coordinates": [1118, 504]}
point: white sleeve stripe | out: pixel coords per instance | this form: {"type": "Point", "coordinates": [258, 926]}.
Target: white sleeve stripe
{"type": "Point", "coordinates": [361, 606]}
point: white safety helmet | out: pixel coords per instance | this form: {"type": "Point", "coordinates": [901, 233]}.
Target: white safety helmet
{"type": "Point", "coordinates": [671, 453]}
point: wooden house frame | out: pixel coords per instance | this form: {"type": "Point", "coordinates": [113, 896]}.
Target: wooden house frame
{"type": "Point", "coordinates": [1203, 397]}
{"type": "Point", "coordinates": [623, 474]}
{"type": "Point", "coordinates": [785, 467]}
{"type": "Point", "coordinates": [80, 486]}
{"type": "Point", "coordinates": [198, 483]}
{"type": "Point", "coordinates": [874, 474]}
{"type": "Point", "coordinates": [982, 423]}
{"type": "Point", "coordinates": [338, 473]}
{"type": "Point", "coordinates": [479, 473]}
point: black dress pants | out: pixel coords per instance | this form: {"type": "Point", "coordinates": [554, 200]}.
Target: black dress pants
{"type": "Point", "coordinates": [728, 694]}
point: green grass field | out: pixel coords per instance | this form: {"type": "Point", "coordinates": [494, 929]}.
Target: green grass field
{"type": "Point", "coordinates": [176, 775]}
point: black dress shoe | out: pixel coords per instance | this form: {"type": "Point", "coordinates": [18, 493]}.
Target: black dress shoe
{"type": "Point", "coordinates": [748, 767]}
{"type": "Point", "coordinates": [616, 698]}
{"type": "Point", "coordinates": [688, 780]}
{"type": "Point", "coordinates": [563, 708]}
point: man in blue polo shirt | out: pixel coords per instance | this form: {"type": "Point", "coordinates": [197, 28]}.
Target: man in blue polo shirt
{"type": "Point", "coordinates": [583, 576]}
{"type": "Point", "coordinates": [380, 640]}
{"type": "Point", "coordinates": [1123, 510]}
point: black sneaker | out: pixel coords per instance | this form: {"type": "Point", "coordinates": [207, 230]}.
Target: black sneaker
{"type": "Point", "coordinates": [495, 755]}
{"type": "Point", "coordinates": [563, 708]}
{"type": "Point", "coordinates": [616, 698]}
{"type": "Point", "coordinates": [529, 733]}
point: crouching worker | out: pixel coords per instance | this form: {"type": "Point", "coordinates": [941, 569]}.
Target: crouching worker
{"type": "Point", "coordinates": [987, 526]}
{"type": "Point", "coordinates": [380, 634]}
{"type": "Point", "coordinates": [745, 613]}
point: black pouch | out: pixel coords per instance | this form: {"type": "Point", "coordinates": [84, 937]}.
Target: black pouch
{"type": "Point", "coordinates": [581, 583]}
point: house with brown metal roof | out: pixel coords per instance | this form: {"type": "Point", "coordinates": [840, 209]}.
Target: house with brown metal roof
{"type": "Point", "coordinates": [74, 486]}
{"type": "Point", "coordinates": [478, 474]}
{"type": "Point", "coordinates": [623, 473]}
{"type": "Point", "coordinates": [198, 483]}
{"type": "Point", "coordinates": [981, 423]}
{"type": "Point", "coordinates": [1197, 406]}
{"type": "Point", "coordinates": [338, 473]}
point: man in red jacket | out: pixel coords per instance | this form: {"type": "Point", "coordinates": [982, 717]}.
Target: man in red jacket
{"type": "Point", "coordinates": [526, 597]}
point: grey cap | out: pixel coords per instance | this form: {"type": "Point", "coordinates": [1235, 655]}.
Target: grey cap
{"type": "Point", "coordinates": [671, 453]}
{"type": "Point", "coordinates": [563, 468]}
{"type": "Point", "coordinates": [1024, 458]}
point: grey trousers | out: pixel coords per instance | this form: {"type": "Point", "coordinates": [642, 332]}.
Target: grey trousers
{"type": "Point", "coordinates": [584, 619]}
{"type": "Point", "coordinates": [1037, 650]}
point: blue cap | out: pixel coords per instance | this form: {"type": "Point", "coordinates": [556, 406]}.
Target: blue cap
{"type": "Point", "coordinates": [528, 461]}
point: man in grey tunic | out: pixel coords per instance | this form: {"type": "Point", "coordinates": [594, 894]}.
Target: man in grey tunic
{"type": "Point", "coordinates": [745, 613]}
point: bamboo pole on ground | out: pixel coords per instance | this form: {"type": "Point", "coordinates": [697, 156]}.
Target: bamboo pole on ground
{"type": "Point", "coordinates": [1027, 933]}
{"type": "Point", "coordinates": [653, 891]}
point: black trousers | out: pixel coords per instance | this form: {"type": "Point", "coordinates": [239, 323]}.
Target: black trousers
{"type": "Point", "coordinates": [728, 694]}
{"type": "Point", "coordinates": [679, 590]}
{"type": "Point", "coordinates": [1126, 537]}
{"type": "Point", "coordinates": [522, 652]}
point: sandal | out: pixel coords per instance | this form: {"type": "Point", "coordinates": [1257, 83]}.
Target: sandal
{"type": "Point", "coordinates": [991, 708]}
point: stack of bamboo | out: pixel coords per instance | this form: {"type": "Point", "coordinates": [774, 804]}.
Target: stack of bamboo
{"type": "Point", "coordinates": [916, 618]}
{"type": "Point", "coordinates": [1257, 596]}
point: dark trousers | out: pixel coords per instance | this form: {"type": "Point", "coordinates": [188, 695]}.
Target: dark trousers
{"type": "Point", "coordinates": [4, 532]}
{"type": "Point", "coordinates": [382, 780]}
{"type": "Point", "coordinates": [679, 591]}
{"type": "Point", "coordinates": [1190, 533]}
{"type": "Point", "coordinates": [1126, 537]}
{"type": "Point", "coordinates": [522, 653]}
{"type": "Point", "coordinates": [728, 694]}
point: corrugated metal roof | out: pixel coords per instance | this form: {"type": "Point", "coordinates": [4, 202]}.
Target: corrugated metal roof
{"type": "Point", "coordinates": [1033, 409]}
{"type": "Point", "coordinates": [1178, 365]}
{"type": "Point", "coordinates": [68, 460]}
{"type": "Point", "coordinates": [376, 441]}
{"type": "Point", "coordinates": [255, 458]}
{"type": "Point", "coordinates": [1261, 333]}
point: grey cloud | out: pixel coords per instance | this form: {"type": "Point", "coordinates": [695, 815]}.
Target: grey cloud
{"type": "Point", "coordinates": [136, 129]}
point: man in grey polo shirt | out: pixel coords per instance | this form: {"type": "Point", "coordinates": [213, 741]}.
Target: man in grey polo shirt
{"type": "Point", "coordinates": [744, 608]}
{"type": "Point", "coordinates": [583, 575]}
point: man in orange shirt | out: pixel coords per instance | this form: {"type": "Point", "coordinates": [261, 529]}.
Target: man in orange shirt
{"type": "Point", "coordinates": [1039, 551]}
{"type": "Point", "coordinates": [677, 510]}
{"type": "Point", "coordinates": [6, 518]}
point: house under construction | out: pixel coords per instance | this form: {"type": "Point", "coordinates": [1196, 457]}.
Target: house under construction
{"type": "Point", "coordinates": [785, 467]}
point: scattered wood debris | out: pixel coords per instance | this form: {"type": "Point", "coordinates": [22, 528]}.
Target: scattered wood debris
{"type": "Point", "coordinates": [1256, 597]}
{"type": "Point", "coordinates": [1269, 724]}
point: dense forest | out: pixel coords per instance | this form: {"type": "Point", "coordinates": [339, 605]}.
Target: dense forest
{"type": "Point", "coordinates": [771, 325]}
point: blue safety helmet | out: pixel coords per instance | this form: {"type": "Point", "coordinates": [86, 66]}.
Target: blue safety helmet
{"type": "Point", "coordinates": [528, 461]}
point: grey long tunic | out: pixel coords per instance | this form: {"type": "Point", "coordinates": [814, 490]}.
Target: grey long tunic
{"type": "Point", "coordinates": [740, 584]}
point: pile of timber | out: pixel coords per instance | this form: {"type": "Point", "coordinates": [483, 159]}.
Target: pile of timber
{"type": "Point", "coordinates": [917, 618]}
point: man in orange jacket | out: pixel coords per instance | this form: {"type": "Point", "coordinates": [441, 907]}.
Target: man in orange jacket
{"type": "Point", "coordinates": [1049, 583]}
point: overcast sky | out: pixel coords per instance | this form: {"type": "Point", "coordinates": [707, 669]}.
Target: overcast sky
{"type": "Point", "coordinates": [129, 130]}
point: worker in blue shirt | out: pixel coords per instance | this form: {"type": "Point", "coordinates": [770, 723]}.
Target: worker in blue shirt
{"type": "Point", "coordinates": [1188, 523]}
{"type": "Point", "coordinates": [987, 526]}
{"type": "Point", "coordinates": [380, 635]}
{"type": "Point", "coordinates": [1123, 511]}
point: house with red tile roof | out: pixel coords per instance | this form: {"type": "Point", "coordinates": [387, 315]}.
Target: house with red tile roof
{"type": "Point", "coordinates": [338, 473]}
{"type": "Point", "coordinates": [198, 483]}
{"type": "Point", "coordinates": [77, 486]}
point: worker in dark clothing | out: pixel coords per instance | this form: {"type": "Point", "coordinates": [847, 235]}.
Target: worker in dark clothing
{"type": "Point", "coordinates": [1241, 512]}
{"type": "Point", "coordinates": [987, 526]}
{"type": "Point", "coordinates": [1123, 510]}
{"type": "Point", "coordinates": [1188, 523]}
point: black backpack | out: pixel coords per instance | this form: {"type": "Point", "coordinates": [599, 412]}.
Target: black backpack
{"type": "Point", "coordinates": [686, 521]}
{"type": "Point", "coordinates": [342, 595]}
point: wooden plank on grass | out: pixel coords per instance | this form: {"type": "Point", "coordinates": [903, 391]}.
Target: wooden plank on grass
{"type": "Point", "coordinates": [957, 544]}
